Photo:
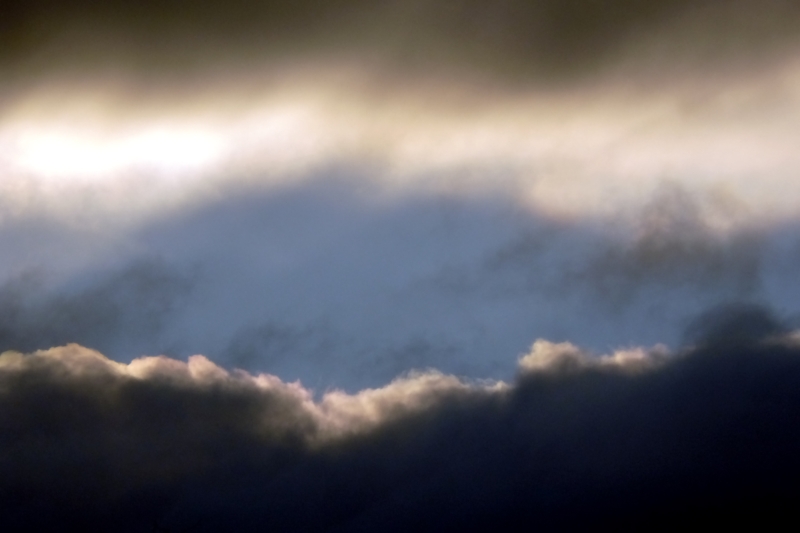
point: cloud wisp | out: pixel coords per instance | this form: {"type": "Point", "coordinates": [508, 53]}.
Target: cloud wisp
{"type": "Point", "coordinates": [115, 311]}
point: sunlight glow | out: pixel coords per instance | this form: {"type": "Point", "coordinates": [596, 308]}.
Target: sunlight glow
{"type": "Point", "coordinates": [600, 152]}
{"type": "Point", "coordinates": [65, 153]}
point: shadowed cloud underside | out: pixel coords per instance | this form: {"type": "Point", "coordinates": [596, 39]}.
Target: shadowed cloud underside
{"type": "Point", "coordinates": [636, 438]}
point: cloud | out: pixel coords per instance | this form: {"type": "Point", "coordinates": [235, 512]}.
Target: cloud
{"type": "Point", "coordinates": [671, 241]}
{"type": "Point", "coordinates": [735, 324]}
{"type": "Point", "coordinates": [389, 200]}
{"type": "Point", "coordinates": [100, 151]}
{"type": "Point", "coordinates": [111, 311]}
{"type": "Point", "coordinates": [674, 243]}
{"type": "Point", "coordinates": [543, 39]}
{"type": "Point", "coordinates": [575, 441]}
{"type": "Point", "coordinates": [561, 357]}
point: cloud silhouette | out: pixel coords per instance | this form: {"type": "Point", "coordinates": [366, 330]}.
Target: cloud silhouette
{"type": "Point", "coordinates": [638, 437]}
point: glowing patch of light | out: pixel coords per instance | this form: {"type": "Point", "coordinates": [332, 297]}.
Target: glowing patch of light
{"type": "Point", "coordinates": [88, 154]}
{"type": "Point", "coordinates": [602, 152]}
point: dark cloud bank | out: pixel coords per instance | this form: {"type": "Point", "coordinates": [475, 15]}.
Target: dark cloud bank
{"type": "Point", "coordinates": [707, 433]}
{"type": "Point", "coordinates": [545, 39]}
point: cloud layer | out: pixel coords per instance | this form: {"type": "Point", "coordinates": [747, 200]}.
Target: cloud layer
{"type": "Point", "coordinates": [541, 39]}
{"type": "Point", "coordinates": [574, 109]}
{"type": "Point", "coordinates": [639, 437]}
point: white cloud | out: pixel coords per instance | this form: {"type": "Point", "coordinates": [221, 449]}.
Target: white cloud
{"type": "Point", "coordinates": [546, 356]}
{"type": "Point", "coordinates": [600, 151]}
{"type": "Point", "coordinates": [336, 414]}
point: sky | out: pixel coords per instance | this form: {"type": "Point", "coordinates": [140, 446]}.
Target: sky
{"type": "Point", "coordinates": [356, 265]}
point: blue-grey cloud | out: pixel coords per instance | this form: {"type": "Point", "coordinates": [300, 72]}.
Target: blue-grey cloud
{"type": "Point", "coordinates": [122, 311]}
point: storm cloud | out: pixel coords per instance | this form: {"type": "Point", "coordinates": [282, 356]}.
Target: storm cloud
{"type": "Point", "coordinates": [636, 438]}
